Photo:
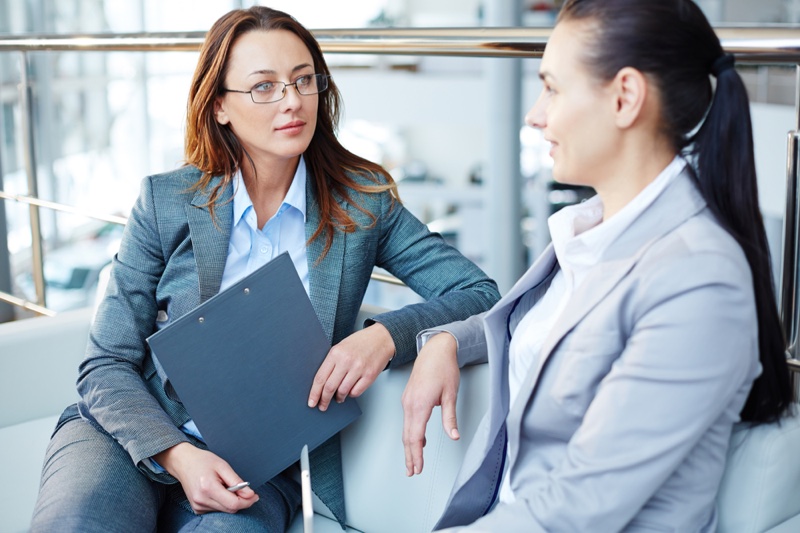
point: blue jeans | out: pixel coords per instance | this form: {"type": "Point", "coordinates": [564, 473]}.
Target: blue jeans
{"type": "Point", "coordinates": [89, 484]}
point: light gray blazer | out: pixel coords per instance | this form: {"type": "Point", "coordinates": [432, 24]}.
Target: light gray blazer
{"type": "Point", "coordinates": [624, 422]}
{"type": "Point", "coordinates": [171, 259]}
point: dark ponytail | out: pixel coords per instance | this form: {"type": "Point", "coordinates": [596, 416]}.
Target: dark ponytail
{"type": "Point", "coordinates": [672, 42]}
{"type": "Point", "coordinates": [726, 176]}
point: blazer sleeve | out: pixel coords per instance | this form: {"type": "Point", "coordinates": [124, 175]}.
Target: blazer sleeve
{"type": "Point", "coordinates": [688, 361]}
{"type": "Point", "coordinates": [110, 382]}
{"type": "Point", "coordinates": [470, 339]}
{"type": "Point", "coordinates": [453, 286]}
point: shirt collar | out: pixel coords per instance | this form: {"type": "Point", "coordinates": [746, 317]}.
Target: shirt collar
{"type": "Point", "coordinates": [295, 196]}
{"type": "Point", "coordinates": [577, 229]}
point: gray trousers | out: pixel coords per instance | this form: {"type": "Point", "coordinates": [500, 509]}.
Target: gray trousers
{"type": "Point", "coordinates": [89, 484]}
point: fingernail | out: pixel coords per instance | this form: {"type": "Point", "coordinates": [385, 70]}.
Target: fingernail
{"type": "Point", "coordinates": [311, 403]}
{"type": "Point", "coordinates": [416, 470]}
{"type": "Point", "coordinates": [454, 433]}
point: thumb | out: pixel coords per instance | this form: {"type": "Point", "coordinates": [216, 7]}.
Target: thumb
{"type": "Point", "coordinates": [449, 422]}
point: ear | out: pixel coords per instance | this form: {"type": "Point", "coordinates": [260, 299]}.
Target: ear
{"type": "Point", "coordinates": [219, 111]}
{"type": "Point", "coordinates": [630, 92]}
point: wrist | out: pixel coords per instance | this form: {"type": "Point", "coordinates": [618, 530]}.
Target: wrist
{"type": "Point", "coordinates": [170, 459]}
{"type": "Point", "coordinates": [441, 346]}
{"type": "Point", "coordinates": [388, 349]}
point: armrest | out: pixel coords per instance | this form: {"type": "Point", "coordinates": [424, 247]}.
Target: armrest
{"type": "Point", "coordinates": [39, 358]}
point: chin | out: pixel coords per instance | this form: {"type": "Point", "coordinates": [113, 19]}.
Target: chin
{"type": "Point", "coordinates": [567, 178]}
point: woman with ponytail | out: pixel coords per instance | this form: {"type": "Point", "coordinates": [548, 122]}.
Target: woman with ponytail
{"type": "Point", "coordinates": [621, 360]}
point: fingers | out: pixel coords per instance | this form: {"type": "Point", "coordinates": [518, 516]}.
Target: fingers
{"type": "Point", "coordinates": [346, 387]}
{"type": "Point", "coordinates": [320, 379]}
{"type": "Point", "coordinates": [348, 370]}
{"type": "Point", "coordinates": [205, 477]}
{"type": "Point", "coordinates": [212, 495]}
{"type": "Point", "coordinates": [361, 386]}
{"type": "Point", "coordinates": [415, 420]}
{"type": "Point", "coordinates": [449, 422]}
{"type": "Point", "coordinates": [330, 387]}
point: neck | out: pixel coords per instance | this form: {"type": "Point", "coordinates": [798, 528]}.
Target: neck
{"type": "Point", "coordinates": [630, 174]}
{"type": "Point", "coordinates": [267, 184]}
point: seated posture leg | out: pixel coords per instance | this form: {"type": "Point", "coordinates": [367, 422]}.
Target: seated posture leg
{"type": "Point", "coordinates": [89, 484]}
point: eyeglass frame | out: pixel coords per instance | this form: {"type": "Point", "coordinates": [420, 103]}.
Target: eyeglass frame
{"type": "Point", "coordinates": [319, 77]}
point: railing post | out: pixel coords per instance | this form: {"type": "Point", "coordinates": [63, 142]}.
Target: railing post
{"type": "Point", "coordinates": [6, 309]}
{"type": "Point", "coordinates": [505, 260]}
{"type": "Point", "coordinates": [26, 105]}
{"type": "Point", "coordinates": [791, 231]}
{"type": "Point", "coordinates": [788, 294]}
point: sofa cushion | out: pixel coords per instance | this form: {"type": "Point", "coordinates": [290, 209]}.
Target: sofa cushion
{"type": "Point", "coordinates": [761, 485]}
{"type": "Point", "coordinates": [374, 461]}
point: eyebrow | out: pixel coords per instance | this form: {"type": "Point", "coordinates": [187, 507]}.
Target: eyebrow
{"type": "Point", "coordinates": [273, 73]}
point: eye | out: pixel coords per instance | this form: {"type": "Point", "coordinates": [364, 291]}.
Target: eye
{"type": "Point", "coordinates": [304, 81]}
{"type": "Point", "coordinates": [264, 87]}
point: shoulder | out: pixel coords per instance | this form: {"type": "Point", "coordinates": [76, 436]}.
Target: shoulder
{"type": "Point", "coordinates": [178, 179]}
{"type": "Point", "coordinates": [699, 252]}
{"type": "Point", "coordinates": [367, 178]}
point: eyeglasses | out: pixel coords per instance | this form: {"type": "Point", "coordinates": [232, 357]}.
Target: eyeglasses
{"type": "Point", "coordinates": [267, 92]}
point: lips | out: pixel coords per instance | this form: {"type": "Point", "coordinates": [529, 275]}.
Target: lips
{"type": "Point", "coordinates": [292, 127]}
{"type": "Point", "coordinates": [553, 146]}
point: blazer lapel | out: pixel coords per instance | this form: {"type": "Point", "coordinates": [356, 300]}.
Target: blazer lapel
{"type": "Point", "coordinates": [210, 238]}
{"type": "Point", "coordinates": [495, 324]}
{"type": "Point", "coordinates": [324, 277]}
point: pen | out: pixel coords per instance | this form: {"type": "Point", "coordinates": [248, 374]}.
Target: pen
{"type": "Point", "coordinates": [239, 486]}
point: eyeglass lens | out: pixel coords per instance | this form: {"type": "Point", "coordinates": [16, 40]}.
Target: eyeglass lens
{"type": "Point", "coordinates": [275, 90]}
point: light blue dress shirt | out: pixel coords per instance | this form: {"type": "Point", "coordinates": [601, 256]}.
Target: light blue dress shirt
{"type": "Point", "coordinates": [250, 247]}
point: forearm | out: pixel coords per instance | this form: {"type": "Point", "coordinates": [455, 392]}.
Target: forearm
{"type": "Point", "coordinates": [469, 336]}
{"type": "Point", "coordinates": [404, 324]}
{"type": "Point", "coordinates": [119, 401]}
{"type": "Point", "coordinates": [453, 286]}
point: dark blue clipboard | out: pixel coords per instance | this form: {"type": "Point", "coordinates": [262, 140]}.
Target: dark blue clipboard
{"type": "Point", "coordinates": [243, 362]}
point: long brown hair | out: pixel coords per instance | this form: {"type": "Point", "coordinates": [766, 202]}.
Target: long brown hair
{"type": "Point", "coordinates": [216, 152]}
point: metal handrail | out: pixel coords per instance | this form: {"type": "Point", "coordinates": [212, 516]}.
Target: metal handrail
{"type": "Point", "coordinates": [55, 206]}
{"type": "Point", "coordinates": [762, 44]}
{"type": "Point", "coordinates": [114, 219]}
{"type": "Point", "coordinates": [758, 45]}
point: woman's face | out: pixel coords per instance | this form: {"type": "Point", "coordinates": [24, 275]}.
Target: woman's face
{"type": "Point", "coordinates": [273, 131]}
{"type": "Point", "coordinates": [574, 110]}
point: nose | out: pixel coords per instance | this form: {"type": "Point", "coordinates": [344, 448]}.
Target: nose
{"type": "Point", "coordinates": [537, 117]}
{"type": "Point", "coordinates": [291, 97]}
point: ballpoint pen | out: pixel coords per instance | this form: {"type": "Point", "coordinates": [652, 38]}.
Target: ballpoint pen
{"type": "Point", "coordinates": [239, 486]}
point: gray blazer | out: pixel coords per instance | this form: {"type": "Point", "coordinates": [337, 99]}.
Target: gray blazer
{"type": "Point", "coordinates": [624, 422]}
{"type": "Point", "coordinates": [171, 259]}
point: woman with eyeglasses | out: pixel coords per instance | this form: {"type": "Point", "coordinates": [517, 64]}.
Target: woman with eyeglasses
{"type": "Point", "coordinates": [621, 360]}
{"type": "Point", "coordinates": [265, 174]}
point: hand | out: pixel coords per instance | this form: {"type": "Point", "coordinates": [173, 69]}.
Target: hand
{"type": "Point", "coordinates": [205, 477]}
{"type": "Point", "coordinates": [352, 365]}
{"type": "Point", "coordinates": [434, 381]}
